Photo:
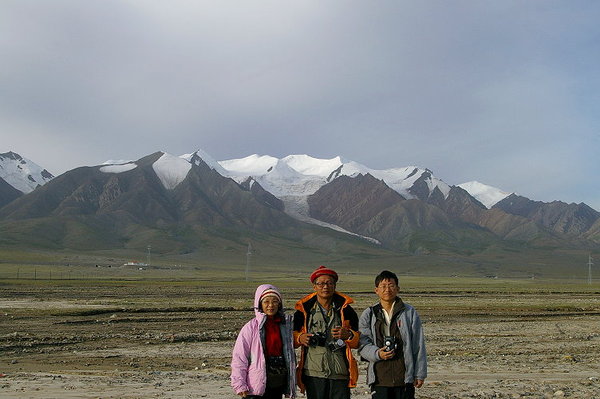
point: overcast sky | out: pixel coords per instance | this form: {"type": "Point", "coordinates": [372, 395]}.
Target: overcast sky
{"type": "Point", "coordinates": [503, 92]}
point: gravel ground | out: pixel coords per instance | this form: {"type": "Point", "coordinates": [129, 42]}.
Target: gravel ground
{"type": "Point", "coordinates": [483, 345]}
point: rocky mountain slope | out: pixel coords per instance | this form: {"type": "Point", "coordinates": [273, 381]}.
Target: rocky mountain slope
{"type": "Point", "coordinates": [127, 205]}
{"type": "Point", "coordinates": [183, 203]}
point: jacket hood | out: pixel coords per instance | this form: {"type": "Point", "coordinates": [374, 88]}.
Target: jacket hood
{"type": "Point", "coordinates": [259, 291]}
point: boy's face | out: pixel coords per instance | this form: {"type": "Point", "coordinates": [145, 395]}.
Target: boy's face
{"type": "Point", "coordinates": [387, 290]}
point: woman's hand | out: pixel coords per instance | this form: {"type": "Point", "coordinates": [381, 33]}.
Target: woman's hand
{"type": "Point", "coordinates": [243, 394]}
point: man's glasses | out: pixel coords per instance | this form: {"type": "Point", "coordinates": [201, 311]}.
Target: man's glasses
{"type": "Point", "coordinates": [326, 283]}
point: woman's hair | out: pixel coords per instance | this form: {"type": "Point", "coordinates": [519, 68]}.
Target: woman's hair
{"type": "Point", "coordinates": [385, 275]}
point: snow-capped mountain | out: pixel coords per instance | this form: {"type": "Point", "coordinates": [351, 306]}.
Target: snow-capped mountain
{"type": "Point", "coordinates": [294, 178]}
{"type": "Point", "coordinates": [303, 175]}
{"type": "Point", "coordinates": [187, 199]}
{"type": "Point", "coordinates": [21, 173]}
{"type": "Point", "coordinates": [291, 179]}
{"type": "Point", "coordinates": [487, 195]}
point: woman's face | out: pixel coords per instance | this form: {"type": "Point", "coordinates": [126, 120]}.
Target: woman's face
{"type": "Point", "coordinates": [270, 305]}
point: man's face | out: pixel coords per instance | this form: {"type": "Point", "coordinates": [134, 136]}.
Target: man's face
{"type": "Point", "coordinates": [387, 290]}
{"type": "Point", "coordinates": [324, 286]}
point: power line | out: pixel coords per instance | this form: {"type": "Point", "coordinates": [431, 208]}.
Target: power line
{"type": "Point", "coordinates": [248, 258]}
{"type": "Point", "coordinates": [590, 264]}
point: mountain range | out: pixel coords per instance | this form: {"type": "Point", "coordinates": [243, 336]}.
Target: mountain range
{"type": "Point", "coordinates": [191, 203]}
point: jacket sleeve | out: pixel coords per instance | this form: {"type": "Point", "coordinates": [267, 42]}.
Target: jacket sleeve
{"type": "Point", "coordinates": [240, 361]}
{"type": "Point", "coordinates": [367, 347]}
{"type": "Point", "coordinates": [418, 347]}
{"type": "Point", "coordinates": [298, 327]}
{"type": "Point", "coordinates": [351, 318]}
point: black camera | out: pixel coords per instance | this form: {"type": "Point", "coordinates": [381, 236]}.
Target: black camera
{"type": "Point", "coordinates": [317, 339]}
{"type": "Point", "coordinates": [336, 344]}
{"type": "Point", "coordinates": [390, 343]}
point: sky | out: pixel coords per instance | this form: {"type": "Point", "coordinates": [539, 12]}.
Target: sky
{"type": "Point", "coordinates": [503, 92]}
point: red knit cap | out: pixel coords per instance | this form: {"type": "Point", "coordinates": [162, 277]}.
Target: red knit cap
{"type": "Point", "coordinates": [323, 271]}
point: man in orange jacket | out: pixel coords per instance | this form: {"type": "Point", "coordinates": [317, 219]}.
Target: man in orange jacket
{"type": "Point", "coordinates": [326, 327]}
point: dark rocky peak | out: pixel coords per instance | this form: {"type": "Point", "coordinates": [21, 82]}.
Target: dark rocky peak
{"type": "Point", "coordinates": [414, 172]}
{"type": "Point", "coordinates": [335, 173]}
{"type": "Point", "coordinates": [47, 175]}
{"type": "Point", "coordinates": [518, 205]}
{"type": "Point", "coordinates": [12, 155]}
{"type": "Point", "coordinates": [557, 216]}
{"type": "Point", "coordinates": [420, 188]}
{"type": "Point", "coordinates": [149, 159]}
{"type": "Point", "coordinates": [349, 201]}
{"type": "Point", "coordinates": [261, 194]}
{"type": "Point", "coordinates": [247, 184]}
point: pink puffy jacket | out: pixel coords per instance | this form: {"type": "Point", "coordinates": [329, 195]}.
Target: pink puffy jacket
{"type": "Point", "coordinates": [248, 364]}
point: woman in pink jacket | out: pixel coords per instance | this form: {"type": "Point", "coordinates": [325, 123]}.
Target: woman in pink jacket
{"type": "Point", "coordinates": [263, 363]}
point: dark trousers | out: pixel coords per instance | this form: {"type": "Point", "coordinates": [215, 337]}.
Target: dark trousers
{"type": "Point", "coordinates": [405, 392]}
{"type": "Point", "coordinates": [324, 388]}
{"type": "Point", "coordinates": [270, 393]}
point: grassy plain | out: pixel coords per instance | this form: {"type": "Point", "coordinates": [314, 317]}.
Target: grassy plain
{"type": "Point", "coordinates": [73, 327]}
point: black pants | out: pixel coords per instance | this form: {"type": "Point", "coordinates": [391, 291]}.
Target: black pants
{"type": "Point", "coordinates": [405, 392]}
{"type": "Point", "coordinates": [270, 393]}
{"type": "Point", "coordinates": [324, 388]}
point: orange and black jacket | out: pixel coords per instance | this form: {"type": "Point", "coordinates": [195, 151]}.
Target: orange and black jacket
{"type": "Point", "coordinates": [341, 303]}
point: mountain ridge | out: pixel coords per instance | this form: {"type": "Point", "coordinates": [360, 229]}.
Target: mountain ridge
{"type": "Point", "coordinates": [185, 201]}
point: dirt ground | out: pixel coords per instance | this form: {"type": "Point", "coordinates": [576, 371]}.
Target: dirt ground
{"type": "Point", "coordinates": [175, 340]}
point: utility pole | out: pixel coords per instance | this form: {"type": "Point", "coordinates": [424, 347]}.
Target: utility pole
{"type": "Point", "coordinates": [590, 264]}
{"type": "Point", "coordinates": [148, 257]}
{"type": "Point", "coordinates": [248, 259]}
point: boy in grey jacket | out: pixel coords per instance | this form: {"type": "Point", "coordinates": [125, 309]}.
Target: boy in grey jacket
{"type": "Point", "coordinates": [392, 340]}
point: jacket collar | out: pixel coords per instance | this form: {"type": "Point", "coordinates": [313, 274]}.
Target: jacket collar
{"type": "Point", "coordinates": [339, 301]}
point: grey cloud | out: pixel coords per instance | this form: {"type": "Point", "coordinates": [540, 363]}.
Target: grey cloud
{"type": "Point", "coordinates": [469, 89]}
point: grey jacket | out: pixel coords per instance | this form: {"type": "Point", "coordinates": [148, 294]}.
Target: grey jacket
{"type": "Point", "coordinates": [415, 356]}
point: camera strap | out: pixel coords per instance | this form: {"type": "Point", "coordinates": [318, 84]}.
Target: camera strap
{"type": "Point", "coordinates": [327, 315]}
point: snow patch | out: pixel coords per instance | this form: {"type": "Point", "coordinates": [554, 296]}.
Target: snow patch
{"type": "Point", "coordinates": [487, 195]}
{"type": "Point", "coordinates": [117, 162]}
{"type": "Point", "coordinates": [171, 170]}
{"type": "Point", "coordinates": [297, 207]}
{"type": "Point", "coordinates": [118, 168]}
{"type": "Point", "coordinates": [253, 165]}
{"type": "Point", "coordinates": [307, 165]}
{"type": "Point", "coordinates": [21, 173]}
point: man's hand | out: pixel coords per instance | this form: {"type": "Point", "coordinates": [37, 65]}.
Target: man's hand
{"type": "Point", "coordinates": [304, 339]}
{"type": "Point", "coordinates": [341, 333]}
{"type": "Point", "coordinates": [385, 355]}
{"type": "Point", "coordinates": [418, 383]}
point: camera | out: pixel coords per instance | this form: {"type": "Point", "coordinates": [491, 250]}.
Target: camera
{"type": "Point", "coordinates": [390, 343]}
{"type": "Point", "coordinates": [336, 344]}
{"type": "Point", "coordinates": [317, 339]}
